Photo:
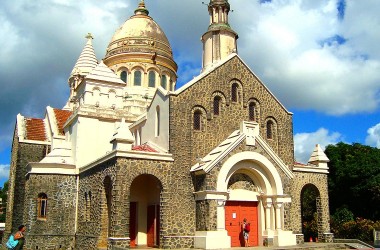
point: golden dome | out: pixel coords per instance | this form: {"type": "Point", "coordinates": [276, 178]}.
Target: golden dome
{"type": "Point", "coordinates": [139, 34]}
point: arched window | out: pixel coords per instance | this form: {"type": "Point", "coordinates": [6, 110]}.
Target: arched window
{"type": "Point", "coordinates": [197, 120]}
{"type": "Point", "coordinates": [42, 206]}
{"type": "Point", "coordinates": [123, 76]}
{"type": "Point", "coordinates": [152, 79]}
{"type": "Point", "coordinates": [157, 121]}
{"type": "Point", "coordinates": [164, 81]}
{"type": "Point", "coordinates": [251, 111]}
{"type": "Point", "coordinates": [217, 105]}
{"type": "Point", "coordinates": [234, 92]}
{"type": "Point", "coordinates": [137, 78]}
{"type": "Point", "coordinates": [269, 129]}
{"type": "Point", "coordinates": [88, 198]}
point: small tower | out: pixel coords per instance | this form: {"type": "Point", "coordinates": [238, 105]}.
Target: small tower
{"type": "Point", "coordinates": [86, 62]}
{"type": "Point", "coordinates": [220, 40]}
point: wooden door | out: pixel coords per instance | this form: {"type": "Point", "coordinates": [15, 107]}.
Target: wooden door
{"type": "Point", "coordinates": [133, 223]}
{"type": "Point", "coordinates": [153, 225]}
{"type": "Point", "coordinates": [235, 212]}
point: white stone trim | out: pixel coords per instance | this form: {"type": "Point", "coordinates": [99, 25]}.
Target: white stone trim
{"type": "Point", "coordinates": [212, 239]}
{"type": "Point", "coordinates": [51, 168]}
{"type": "Point", "coordinates": [128, 154]}
{"type": "Point", "coordinates": [210, 195]}
{"type": "Point", "coordinates": [119, 238]}
{"type": "Point", "coordinates": [309, 169]}
{"type": "Point", "coordinates": [266, 173]}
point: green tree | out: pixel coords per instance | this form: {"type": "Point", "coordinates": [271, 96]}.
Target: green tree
{"type": "Point", "coordinates": [354, 179]}
{"type": "Point", "coordinates": [3, 196]}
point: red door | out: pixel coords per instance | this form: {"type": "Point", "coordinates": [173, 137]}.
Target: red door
{"type": "Point", "coordinates": [153, 226]}
{"type": "Point", "coordinates": [133, 223]}
{"type": "Point", "coordinates": [236, 211]}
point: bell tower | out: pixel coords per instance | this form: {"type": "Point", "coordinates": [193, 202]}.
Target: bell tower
{"type": "Point", "coordinates": [219, 41]}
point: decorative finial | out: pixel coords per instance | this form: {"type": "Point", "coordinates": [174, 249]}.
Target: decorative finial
{"type": "Point", "coordinates": [141, 9]}
{"type": "Point", "coordinates": [89, 36]}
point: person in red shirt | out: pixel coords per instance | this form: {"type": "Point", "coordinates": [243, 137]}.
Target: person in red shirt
{"type": "Point", "coordinates": [246, 229]}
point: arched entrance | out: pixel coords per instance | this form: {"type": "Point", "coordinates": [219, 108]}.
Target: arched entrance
{"type": "Point", "coordinates": [242, 205]}
{"type": "Point", "coordinates": [145, 211]}
{"type": "Point", "coordinates": [261, 191]}
{"type": "Point", "coordinates": [106, 198]}
{"type": "Point", "coordinates": [309, 212]}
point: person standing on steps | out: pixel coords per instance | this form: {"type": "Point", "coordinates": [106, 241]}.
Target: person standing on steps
{"type": "Point", "coordinates": [246, 228]}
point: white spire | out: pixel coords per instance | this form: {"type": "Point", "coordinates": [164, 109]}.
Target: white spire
{"type": "Point", "coordinates": [318, 156]}
{"type": "Point", "coordinates": [87, 59]}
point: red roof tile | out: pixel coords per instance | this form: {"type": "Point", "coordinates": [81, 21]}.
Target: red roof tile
{"type": "Point", "coordinates": [35, 129]}
{"type": "Point", "coordinates": [61, 116]}
{"type": "Point", "coordinates": [144, 148]}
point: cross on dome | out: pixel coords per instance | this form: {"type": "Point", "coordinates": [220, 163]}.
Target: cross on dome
{"type": "Point", "coordinates": [89, 36]}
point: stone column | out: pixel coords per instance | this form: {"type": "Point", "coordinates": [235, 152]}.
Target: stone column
{"type": "Point", "coordinates": [220, 224]}
{"type": "Point", "coordinates": [268, 206]}
{"type": "Point", "coordinates": [277, 207]}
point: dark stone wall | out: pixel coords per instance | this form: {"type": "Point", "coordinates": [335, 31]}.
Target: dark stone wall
{"type": "Point", "coordinates": [58, 229]}
{"type": "Point", "coordinates": [177, 206]}
{"type": "Point", "coordinates": [320, 182]}
{"type": "Point", "coordinates": [22, 154]}
{"type": "Point", "coordinates": [187, 144]}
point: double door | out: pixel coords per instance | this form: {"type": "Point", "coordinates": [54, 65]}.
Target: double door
{"type": "Point", "coordinates": [235, 212]}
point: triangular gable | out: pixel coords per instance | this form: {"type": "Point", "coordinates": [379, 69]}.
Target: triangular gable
{"type": "Point", "coordinates": [105, 74]}
{"type": "Point", "coordinates": [207, 163]}
{"type": "Point", "coordinates": [220, 64]}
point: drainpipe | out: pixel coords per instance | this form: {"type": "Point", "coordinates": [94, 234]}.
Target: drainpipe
{"type": "Point", "coordinates": [76, 211]}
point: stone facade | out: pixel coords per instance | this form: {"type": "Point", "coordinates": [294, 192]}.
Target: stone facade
{"type": "Point", "coordinates": [57, 230]}
{"type": "Point", "coordinates": [22, 154]}
{"type": "Point", "coordinates": [216, 128]}
{"type": "Point", "coordinates": [322, 203]}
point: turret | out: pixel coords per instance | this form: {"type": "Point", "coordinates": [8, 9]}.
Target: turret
{"type": "Point", "coordinates": [220, 40]}
{"type": "Point", "coordinates": [86, 62]}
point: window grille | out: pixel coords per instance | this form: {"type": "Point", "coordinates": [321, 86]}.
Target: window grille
{"type": "Point", "coordinates": [269, 130]}
{"type": "Point", "coordinates": [42, 206]}
{"type": "Point", "coordinates": [234, 92]}
{"type": "Point", "coordinates": [216, 105]}
{"type": "Point", "coordinates": [197, 120]}
{"type": "Point", "coordinates": [251, 111]}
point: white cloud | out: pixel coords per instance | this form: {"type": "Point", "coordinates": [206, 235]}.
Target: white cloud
{"type": "Point", "coordinates": [285, 44]}
{"type": "Point", "coordinates": [304, 143]}
{"type": "Point", "coordinates": [373, 137]}
{"type": "Point", "coordinates": [4, 171]}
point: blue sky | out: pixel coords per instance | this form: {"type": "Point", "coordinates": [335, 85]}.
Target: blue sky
{"type": "Point", "coordinates": [320, 58]}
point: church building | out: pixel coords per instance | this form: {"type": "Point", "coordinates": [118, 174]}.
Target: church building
{"type": "Point", "coordinates": [133, 161]}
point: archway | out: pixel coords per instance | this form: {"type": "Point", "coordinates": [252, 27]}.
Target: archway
{"type": "Point", "coordinates": [242, 204]}
{"type": "Point", "coordinates": [309, 212]}
{"type": "Point", "coordinates": [145, 211]}
{"type": "Point", "coordinates": [105, 207]}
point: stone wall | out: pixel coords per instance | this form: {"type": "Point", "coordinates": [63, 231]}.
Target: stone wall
{"type": "Point", "coordinates": [57, 230]}
{"type": "Point", "coordinates": [22, 154]}
{"type": "Point", "coordinates": [177, 207]}
{"type": "Point", "coordinates": [320, 182]}
{"type": "Point", "coordinates": [188, 144]}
